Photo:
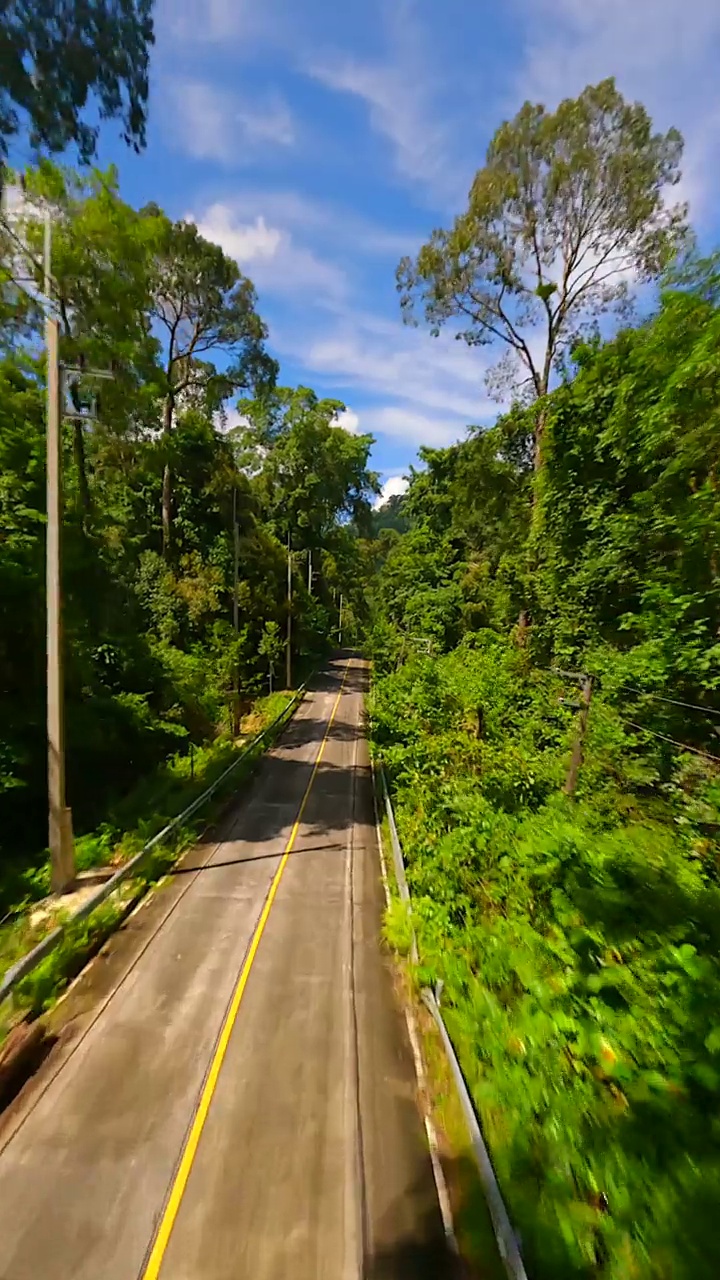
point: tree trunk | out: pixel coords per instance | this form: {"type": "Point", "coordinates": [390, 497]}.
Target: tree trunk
{"type": "Point", "coordinates": [539, 434]}
{"type": "Point", "coordinates": [521, 630]}
{"type": "Point", "coordinates": [166, 511]}
{"type": "Point", "coordinates": [167, 482]}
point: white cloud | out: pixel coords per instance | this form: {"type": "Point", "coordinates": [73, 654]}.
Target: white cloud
{"type": "Point", "coordinates": [393, 487]}
{"type": "Point", "coordinates": [348, 420]}
{"type": "Point", "coordinates": [208, 123]}
{"type": "Point", "coordinates": [278, 265]}
{"type": "Point", "coordinates": [228, 419]}
{"type": "Point", "coordinates": [339, 226]}
{"type": "Point", "coordinates": [245, 242]}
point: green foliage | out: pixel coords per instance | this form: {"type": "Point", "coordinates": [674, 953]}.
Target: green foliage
{"type": "Point", "coordinates": [57, 55]}
{"type": "Point", "coordinates": [577, 943]}
{"type": "Point", "coordinates": [577, 940]}
{"type": "Point", "coordinates": [397, 927]}
{"type": "Point", "coordinates": [271, 647]}
{"type": "Point", "coordinates": [390, 515]}
{"type": "Point", "coordinates": [627, 525]}
{"type": "Point", "coordinates": [167, 535]}
{"type": "Point", "coordinates": [316, 473]}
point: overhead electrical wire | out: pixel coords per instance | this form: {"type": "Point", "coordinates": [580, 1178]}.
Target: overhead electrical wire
{"type": "Point", "coordinates": [676, 702]}
{"type": "Point", "coordinates": [683, 745]}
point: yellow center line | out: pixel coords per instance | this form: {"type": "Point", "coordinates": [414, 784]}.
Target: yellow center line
{"type": "Point", "coordinates": [167, 1222]}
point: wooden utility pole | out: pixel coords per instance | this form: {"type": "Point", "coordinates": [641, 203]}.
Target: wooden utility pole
{"type": "Point", "coordinates": [60, 837]}
{"type": "Point", "coordinates": [586, 688]}
{"type": "Point", "coordinates": [288, 642]}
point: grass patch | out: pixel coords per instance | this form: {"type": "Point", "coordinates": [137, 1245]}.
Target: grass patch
{"type": "Point", "coordinates": [471, 1218]}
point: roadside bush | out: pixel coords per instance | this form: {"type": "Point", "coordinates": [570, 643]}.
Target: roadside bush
{"type": "Point", "coordinates": [577, 942]}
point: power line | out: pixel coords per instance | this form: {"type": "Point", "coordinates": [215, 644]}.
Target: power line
{"type": "Point", "coordinates": [676, 702]}
{"type": "Point", "coordinates": [646, 693]}
{"type": "Point", "coordinates": [684, 746]}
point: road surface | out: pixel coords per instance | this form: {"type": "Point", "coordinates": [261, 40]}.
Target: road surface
{"type": "Point", "coordinates": [234, 1096]}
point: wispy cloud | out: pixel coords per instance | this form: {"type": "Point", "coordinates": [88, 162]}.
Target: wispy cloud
{"type": "Point", "coordinates": [211, 21]}
{"type": "Point", "coordinates": [407, 423]}
{"type": "Point", "coordinates": [208, 123]}
{"type": "Point", "coordinates": [334, 224]}
{"type": "Point", "coordinates": [387, 360]}
{"type": "Point", "coordinates": [660, 51]}
{"type": "Point", "coordinates": [404, 386]}
{"type": "Point", "coordinates": [405, 93]}
{"type": "Point", "coordinates": [413, 388]}
{"type": "Point", "coordinates": [399, 110]}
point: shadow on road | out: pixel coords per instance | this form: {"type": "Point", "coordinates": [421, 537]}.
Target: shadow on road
{"type": "Point", "coordinates": [424, 1253]}
{"type": "Point", "coordinates": [263, 809]}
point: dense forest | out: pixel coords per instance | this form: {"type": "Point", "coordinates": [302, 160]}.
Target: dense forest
{"type": "Point", "coordinates": [546, 706]}
{"type": "Point", "coordinates": [176, 524]}
{"type": "Point", "coordinates": [542, 609]}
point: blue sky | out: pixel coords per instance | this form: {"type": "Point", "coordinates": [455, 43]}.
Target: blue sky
{"type": "Point", "coordinates": [319, 142]}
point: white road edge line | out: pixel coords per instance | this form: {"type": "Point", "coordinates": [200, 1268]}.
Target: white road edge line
{"type": "Point", "coordinates": [438, 1172]}
{"type": "Point", "coordinates": [354, 1213]}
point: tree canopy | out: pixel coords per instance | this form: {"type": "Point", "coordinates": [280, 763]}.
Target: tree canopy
{"type": "Point", "coordinates": [575, 935]}
{"type": "Point", "coordinates": [154, 660]}
{"type": "Point", "coordinates": [57, 56]}
{"type": "Point", "coordinates": [568, 213]}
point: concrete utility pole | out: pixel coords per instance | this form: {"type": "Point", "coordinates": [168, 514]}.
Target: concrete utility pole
{"type": "Point", "coordinates": [62, 853]}
{"type": "Point", "coordinates": [310, 572]}
{"type": "Point", "coordinates": [288, 643]}
{"type": "Point", "coordinates": [60, 835]}
{"type": "Point", "coordinates": [340, 622]}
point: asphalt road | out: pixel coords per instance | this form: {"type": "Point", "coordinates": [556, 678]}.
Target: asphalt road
{"type": "Point", "coordinates": [234, 1095]}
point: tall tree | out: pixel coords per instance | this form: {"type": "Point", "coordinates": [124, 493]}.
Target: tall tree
{"type": "Point", "coordinates": [568, 212]}
{"type": "Point", "coordinates": [203, 307]}
{"type": "Point", "coordinates": [57, 54]}
{"type": "Point", "coordinates": [101, 267]}
{"type": "Point", "coordinates": [314, 473]}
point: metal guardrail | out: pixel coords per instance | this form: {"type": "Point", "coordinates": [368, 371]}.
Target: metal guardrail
{"type": "Point", "coordinates": [507, 1242]}
{"type": "Point", "coordinates": [28, 963]}
{"type": "Point", "coordinates": [398, 862]}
